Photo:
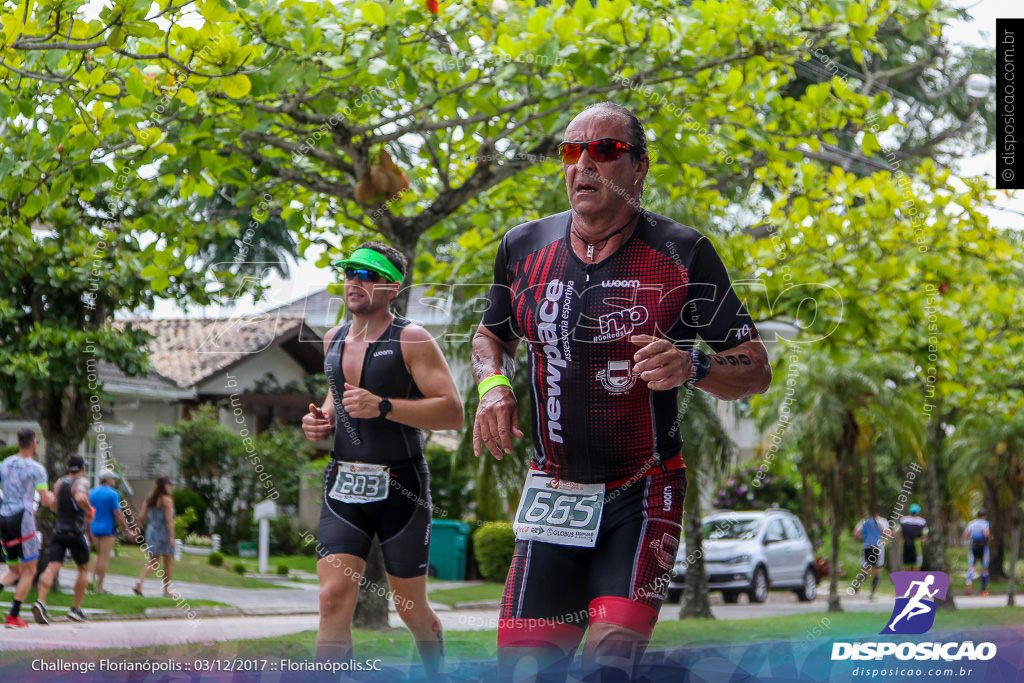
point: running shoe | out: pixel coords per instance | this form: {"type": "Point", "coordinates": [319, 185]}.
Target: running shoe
{"type": "Point", "coordinates": [40, 613]}
{"type": "Point", "coordinates": [15, 622]}
{"type": "Point", "coordinates": [75, 614]}
{"type": "Point", "coordinates": [968, 590]}
{"type": "Point", "coordinates": [984, 594]}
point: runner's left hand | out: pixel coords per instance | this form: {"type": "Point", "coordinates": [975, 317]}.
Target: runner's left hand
{"type": "Point", "coordinates": [360, 403]}
{"type": "Point", "coordinates": [660, 363]}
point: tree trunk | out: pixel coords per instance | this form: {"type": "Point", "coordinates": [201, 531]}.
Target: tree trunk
{"type": "Point", "coordinates": [935, 548]}
{"type": "Point", "coordinates": [372, 608]}
{"type": "Point", "coordinates": [998, 516]}
{"type": "Point", "coordinates": [696, 604]}
{"type": "Point", "coordinates": [837, 527]}
{"type": "Point", "coordinates": [872, 502]}
{"type": "Point", "coordinates": [63, 417]}
{"type": "Point", "coordinates": [807, 516]}
{"type": "Point", "coordinates": [858, 490]}
{"type": "Point", "coordinates": [1011, 588]}
{"type": "Point", "coordinates": [405, 242]}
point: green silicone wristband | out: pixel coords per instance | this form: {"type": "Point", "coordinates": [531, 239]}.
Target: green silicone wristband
{"type": "Point", "coordinates": [489, 383]}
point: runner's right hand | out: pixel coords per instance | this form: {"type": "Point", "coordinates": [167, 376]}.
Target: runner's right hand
{"type": "Point", "coordinates": [497, 421]}
{"type": "Point", "coordinates": [316, 424]}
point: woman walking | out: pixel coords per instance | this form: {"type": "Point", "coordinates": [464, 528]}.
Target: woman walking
{"type": "Point", "coordinates": [159, 540]}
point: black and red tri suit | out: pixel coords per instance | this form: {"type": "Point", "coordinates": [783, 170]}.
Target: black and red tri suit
{"type": "Point", "coordinates": [594, 421]}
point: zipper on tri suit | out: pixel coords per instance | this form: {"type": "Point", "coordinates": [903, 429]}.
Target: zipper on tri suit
{"type": "Point", "coordinates": [586, 431]}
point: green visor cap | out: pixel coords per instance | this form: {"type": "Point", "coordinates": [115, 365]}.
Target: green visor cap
{"type": "Point", "coordinates": [374, 260]}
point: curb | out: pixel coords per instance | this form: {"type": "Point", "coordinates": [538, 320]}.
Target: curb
{"type": "Point", "coordinates": [478, 604]}
{"type": "Point", "coordinates": [183, 613]}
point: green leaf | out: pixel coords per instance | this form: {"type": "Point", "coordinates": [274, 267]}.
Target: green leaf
{"type": "Point", "coordinates": [856, 13]}
{"type": "Point", "coordinates": [373, 13]}
{"type": "Point", "coordinates": [136, 86]}
{"type": "Point", "coordinates": [236, 86]}
{"type": "Point", "coordinates": [115, 41]}
{"type": "Point", "coordinates": [187, 96]}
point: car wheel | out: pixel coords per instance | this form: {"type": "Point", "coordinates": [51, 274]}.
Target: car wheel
{"type": "Point", "coordinates": [673, 595]}
{"type": "Point", "coordinates": [758, 586]}
{"type": "Point", "coordinates": [809, 588]}
{"type": "Point", "coordinates": [730, 596]}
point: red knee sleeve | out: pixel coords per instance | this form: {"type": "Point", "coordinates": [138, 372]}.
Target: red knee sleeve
{"type": "Point", "coordinates": [539, 633]}
{"type": "Point", "coordinates": [624, 612]}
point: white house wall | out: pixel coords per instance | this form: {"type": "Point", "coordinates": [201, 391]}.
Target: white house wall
{"type": "Point", "coordinates": [245, 374]}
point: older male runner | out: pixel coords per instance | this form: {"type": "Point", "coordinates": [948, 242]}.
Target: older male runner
{"type": "Point", "coordinates": [610, 299]}
{"type": "Point", "coordinates": [388, 381]}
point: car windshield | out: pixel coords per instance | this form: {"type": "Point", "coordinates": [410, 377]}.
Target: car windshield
{"type": "Point", "coordinates": [731, 529]}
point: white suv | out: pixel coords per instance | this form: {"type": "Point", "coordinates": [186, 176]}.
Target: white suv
{"type": "Point", "coordinates": [752, 552]}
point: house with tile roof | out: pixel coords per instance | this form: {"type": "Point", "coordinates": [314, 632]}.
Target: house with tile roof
{"type": "Point", "coordinates": [254, 359]}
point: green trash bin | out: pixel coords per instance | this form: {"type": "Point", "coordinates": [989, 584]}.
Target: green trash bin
{"type": "Point", "coordinates": [449, 541]}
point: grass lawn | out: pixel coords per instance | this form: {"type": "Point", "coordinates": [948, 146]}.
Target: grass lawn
{"type": "Point", "coordinates": [118, 604]}
{"type": "Point", "coordinates": [450, 596]}
{"type": "Point", "coordinates": [956, 555]}
{"type": "Point", "coordinates": [193, 568]}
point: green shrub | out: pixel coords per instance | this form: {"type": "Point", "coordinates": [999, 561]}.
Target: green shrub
{"type": "Point", "coordinates": [182, 522]}
{"type": "Point", "coordinates": [239, 568]}
{"type": "Point", "coordinates": [493, 546]}
{"type": "Point", "coordinates": [285, 537]}
{"type": "Point", "coordinates": [282, 569]}
{"type": "Point", "coordinates": [185, 499]}
{"type": "Point", "coordinates": [216, 559]}
{"type": "Point", "coordinates": [8, 450]}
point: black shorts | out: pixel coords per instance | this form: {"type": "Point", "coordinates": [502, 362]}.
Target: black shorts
{"type": "Point", "coordinates": [553, 591]}
{"type": "Point", "coordinates": [63, 541]}
{"type": "Point", "coordinates": [401, 521]}
{"type": "Point", "coordinates": [18, 534]}
{"type": "Point", "coordinates": [910, 553]}
{"type": "Point", "coordinates": [979, 553]}
{"type": "Point", "coordinates": [873, 556]}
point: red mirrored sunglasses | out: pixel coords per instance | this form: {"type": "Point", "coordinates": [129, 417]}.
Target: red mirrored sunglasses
{"type": "Point", "coordinates": [605, 149]}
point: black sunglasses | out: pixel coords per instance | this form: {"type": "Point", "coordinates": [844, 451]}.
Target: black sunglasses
{"type": "Point", "coordinates": [605, 149]}
{"type": "Point", "coordinates": [363, 274]}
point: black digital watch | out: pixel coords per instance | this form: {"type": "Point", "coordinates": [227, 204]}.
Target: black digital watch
{"type": "Point", "coordinates": [701, 366]}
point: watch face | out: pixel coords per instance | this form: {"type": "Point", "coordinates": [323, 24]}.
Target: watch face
{"type": "Point", "coordinates": [385, 406]}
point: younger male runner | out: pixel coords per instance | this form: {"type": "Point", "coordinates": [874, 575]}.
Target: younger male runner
{"type": "Point", "coordinates": [387, 381]}
{"type": "Point", "coordinates": [74, 513]}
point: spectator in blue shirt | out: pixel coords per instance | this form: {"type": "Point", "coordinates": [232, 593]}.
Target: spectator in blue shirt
{"type": "Point", "coordinates": [106, 501]}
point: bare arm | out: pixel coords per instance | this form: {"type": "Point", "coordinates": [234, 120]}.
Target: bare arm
{"type": "Point", "coordinates": [440, 407]}
{"type": "Point", "coordinates": [120, 519]}
{"type": "Point", "coordinates": [739, 372]}
{"type": "Point", "coordinates": [497, 416]}
{"type": "Point", "coordinates": [47, 498]}
{"type": "Point", "coordinates": [167, 503]}
{"type": "Point", "coordinates": [318, 423]}
{"type": "Point", "coordinates": [81, 492]}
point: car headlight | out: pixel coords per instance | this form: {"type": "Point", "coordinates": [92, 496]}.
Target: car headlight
{"type": "Point", "coordinates": [739, 559]}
